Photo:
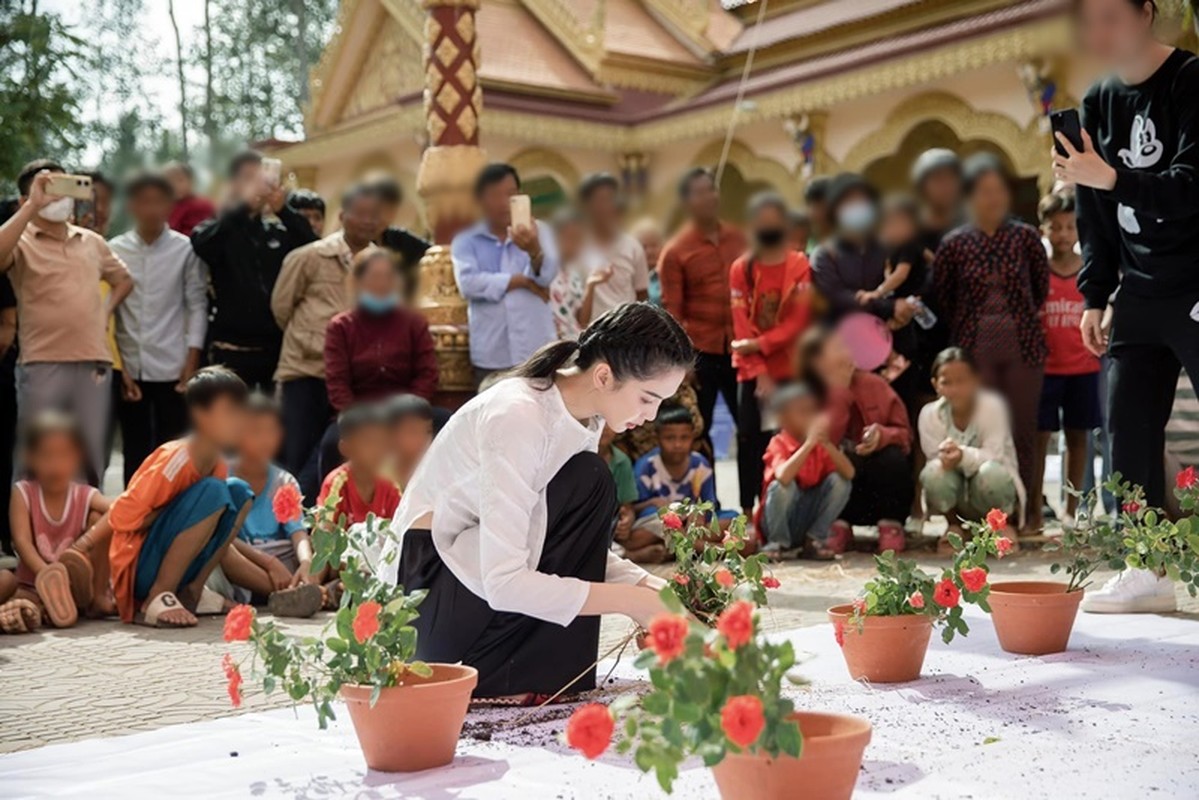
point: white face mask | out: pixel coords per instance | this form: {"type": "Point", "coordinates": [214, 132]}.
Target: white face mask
{"type": "Point", "coordinates": [58, 211]}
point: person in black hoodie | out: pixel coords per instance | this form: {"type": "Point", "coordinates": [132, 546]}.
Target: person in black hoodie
{"type": "Point", "coordinates": [1137, 179]}
{"type": "Point", "coordinates": [244, 249]}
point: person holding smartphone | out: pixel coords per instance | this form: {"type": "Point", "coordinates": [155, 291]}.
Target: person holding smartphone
{"type": "Point", "coordinates": [1136, 170]}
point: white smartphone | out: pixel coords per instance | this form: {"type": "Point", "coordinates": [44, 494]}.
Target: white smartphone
{"type": "Point", "coordinates": [66, 185]}
{"type": "Point", "coordinates": [272, 170]}
{"type": "Point", "coordinates": [521, 210]}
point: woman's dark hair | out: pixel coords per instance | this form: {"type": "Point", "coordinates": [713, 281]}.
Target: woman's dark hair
{"type": "Point", "coordinates": [212, 383]}
{"type": "Point", "coordinates": [763, 200]}
{"type": "Point", "coordinates": [811, 345]}
{"type": "Point", "coordinates": [672, 412]}
{"type": "Point", "coordinates": [979, 166]}
{"type": "Point", "coordinates": [637, 340]}
{"type": "Point", "coordinates": [259, 403]}
{"type": "Point", "coordinates": [951, 355]}
{"type": "Point", "coordinates": [495, 173]}
{"type": "Point", "coordinates": [1137, 4]}
{"type": "Point", "coordinates": [52, 423]}
{"type": "Point", "coordinates": [366, 256]}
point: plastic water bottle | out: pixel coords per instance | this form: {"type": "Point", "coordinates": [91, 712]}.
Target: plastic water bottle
{"type": "Point", "coordinates": [924, 317]}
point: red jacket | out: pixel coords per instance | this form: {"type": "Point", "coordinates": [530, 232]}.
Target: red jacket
{"type": "Point", "coordinates": [869, 400]}
{"type": "Point", "coordinates": [189, 212]}
{"type": "Point", "coordinates": [777, 341]}
{"type": "Point", "coordinates": [369, 357]}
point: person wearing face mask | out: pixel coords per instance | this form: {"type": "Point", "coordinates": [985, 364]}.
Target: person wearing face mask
{"type": "Point", "coordinates": [771, 301]}
{"type": "Point", "coordinates": [313, 287]}
{"type": "Point", "coordinates": [991, 278]}
{"type": "Point", "coordinates": [54, 267]}
{"type": "Point", "coordinates": [377, 349]}
{"type": "Point", "coordinates": [854, 260]}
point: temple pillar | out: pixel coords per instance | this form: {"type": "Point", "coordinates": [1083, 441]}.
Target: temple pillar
{"type": "Point", "coordinates": [453, 102]}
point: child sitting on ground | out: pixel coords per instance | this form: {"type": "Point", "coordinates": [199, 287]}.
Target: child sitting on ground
{"type": "Point", "coordinates": [621, 467]}
{"type": "Point", "coordinates": [807, 479]}
{"type": "Point", "coordinates": [48, 512]}
{"type": "Point", "coordinates": [409, 420]}
{"type": "Point", "coordinates": [967, 441]}
{"type": "Point", "coordinates": [360, 484]}
{"type": "Point", "coordinates": [279, 554]}
{"type": "Point", "coordinates": [906, 272]}
{"type": "Point", "coordinates": [670, 472]}
{"type": "Point", "coordinates": [173, 523]}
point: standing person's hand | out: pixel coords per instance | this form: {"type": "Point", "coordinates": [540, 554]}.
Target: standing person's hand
{"type": "Point", "coordinates": [1094, 334]}
{"type": "Point", "coordinates": [39, 194]}
{"type": "Point", "coordinates": [130, 391]}
{"type": "Point", "coordinates": [1082, 167]}
{"type": "Point", "coordinates": [763, 386]}
{"type": "Point", "coordinates": [904, 311]}
{"type": "Point", "coordinates": [746, 347]}
{"type": "Point", "coordinates": [872, 437]}
{"type": "Point", "coordinates": [601, 275]}
{"type": "Point", "coordinates": [525, 237]}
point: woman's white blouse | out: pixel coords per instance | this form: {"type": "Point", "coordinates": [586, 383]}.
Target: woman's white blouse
{"type": "Point", "coordinates": [484, 480]}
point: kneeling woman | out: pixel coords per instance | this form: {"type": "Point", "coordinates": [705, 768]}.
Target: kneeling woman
{"type": "Point", "coordinates": [508, 520]}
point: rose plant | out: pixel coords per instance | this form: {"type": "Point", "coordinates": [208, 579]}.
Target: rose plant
{"type": "Point", "coordinates": [715, 691]}
{"type": "Point", "coordinates": [712, 570]}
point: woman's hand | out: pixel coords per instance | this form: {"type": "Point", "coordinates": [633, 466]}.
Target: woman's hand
{"type": "Point", "coordinates": [1083, 168]}
{"type": "Point", "coordinates": [1094, 331]}
{"type": "Point", "coordinates": [746, 347]}
{"type": "Point", "coordinates": [872, 437]}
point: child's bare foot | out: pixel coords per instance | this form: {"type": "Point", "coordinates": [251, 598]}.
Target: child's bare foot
{"type": "Point", "coordinates": [20, 616]}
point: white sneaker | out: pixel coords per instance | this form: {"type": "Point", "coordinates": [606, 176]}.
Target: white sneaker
{"type": "Point", "coordinates": [1132, 591]}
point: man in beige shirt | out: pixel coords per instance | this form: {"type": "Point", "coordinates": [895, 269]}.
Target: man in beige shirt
{"type": "Point", "coordinates": [55, 267]}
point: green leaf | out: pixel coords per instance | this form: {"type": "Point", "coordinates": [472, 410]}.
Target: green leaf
{"type": "Point", "coordinates": [788, 737]}
{"type": "Point", "coordinates": [420, 669]}
{"type": "Point", "coordinates": [337, 645]}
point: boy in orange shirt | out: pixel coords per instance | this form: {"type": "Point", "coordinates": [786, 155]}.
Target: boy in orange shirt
{"type": "Point", "coordinates": [175, 520]}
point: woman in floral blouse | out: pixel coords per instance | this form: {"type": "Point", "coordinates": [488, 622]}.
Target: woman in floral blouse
{"type": "Point", "coordinates": [991, 277]}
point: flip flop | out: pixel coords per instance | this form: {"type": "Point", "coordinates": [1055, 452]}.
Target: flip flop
{"type": "Point", "coordinates": [162, 603]}
{"type": "Point", "coordinates": [53, 585]}
{"type": "Point", "coordinates": [298, 601]}
{"type": "Point", "coordinates": [80, 570]}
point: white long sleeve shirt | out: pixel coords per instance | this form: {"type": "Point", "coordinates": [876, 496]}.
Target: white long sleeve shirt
{"type": "Point", "coordinates": [484, 480]}
{"type": "Point", "coordinates": [166, 314]}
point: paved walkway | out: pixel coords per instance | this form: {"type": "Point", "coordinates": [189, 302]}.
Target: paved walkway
{"type": "Point", "coordinates": [107, 679]}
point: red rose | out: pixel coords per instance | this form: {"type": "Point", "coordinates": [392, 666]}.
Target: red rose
{"type": "Point", "coordinates": [946, 594]}
{"type": "Point", "coordinates": [366, 620]}
{"type": "Point", "coordinates": [1132, 507]}
{"type": "Point", "coordinates": [742, 720]}
{"type": "Point", "coordinates": [859, 607]}
{"type": "Point", "coordinates": [839, 633]}
{"type": "Point", "coordinates": [237, 623]}
{"type": "Point", "coordinates": [233, 676]}
{"type": "Point", "coordinates": [724, 578]}
{"type": "Point", "coordinates": [1186, 479]}
{"type": "Point", "coordinates": [681, 579]}
{"type": "Point", "coordinates": [996, 520]}
{"type": "Point", "coordinates": [736, 624]}
{"type": "Point", "coordinates": [589, 730]}
{"type": "Point", "coordinates": [287, 504]}
{"type": "Point", "coordinates": [974, 578]}
{"type": "Point", "coordinates": [667, 636]}
{"type": "Point", "coordinates": [1003, 546]}
{"type": "Point", "coordinates": [916, 600]}
{"type": "Point", "coordinates": [771, 582]}
{"type": "Point", "coordinates": [672, 521]}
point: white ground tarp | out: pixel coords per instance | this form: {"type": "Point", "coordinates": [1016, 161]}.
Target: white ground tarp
{"type": "Point", "coordinates": [1115, 717]}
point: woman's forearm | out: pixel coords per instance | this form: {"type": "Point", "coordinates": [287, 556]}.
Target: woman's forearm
{"type": "Point", "coordinates": [639, 603]}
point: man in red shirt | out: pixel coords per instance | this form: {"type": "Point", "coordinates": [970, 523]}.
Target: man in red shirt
{"type": "Point", "coordinates": [190, 210]}
{"type": "Point", "coordinates": [694, 273]}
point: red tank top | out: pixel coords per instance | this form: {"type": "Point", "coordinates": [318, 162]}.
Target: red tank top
{"type": "Point", "coordinates": [52, 536]}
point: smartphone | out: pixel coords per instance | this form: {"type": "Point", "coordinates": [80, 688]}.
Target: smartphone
{"type": "Point", "coordinates": [65, 185]}
{"type": "Point", "coordinates": [1067, 123]}
{"type": "Point", "coordinates": [272, 171]}
{"type": "Point", "coordinates": [521, 210]}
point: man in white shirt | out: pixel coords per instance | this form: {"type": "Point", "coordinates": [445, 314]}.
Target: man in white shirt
{"type": "Point", "coordinates": [620, 274]}
{"type": "Point", "coordinates": [161, 326]}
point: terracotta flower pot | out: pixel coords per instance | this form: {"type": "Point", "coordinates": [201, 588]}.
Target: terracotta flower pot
{"type": "Point", "coordinates": [414, 726]}
{"type": "Point", "coordinates": [886, 649]}
{"type": "Point", "coordinates": [827, 768]}
{"type": "Point", "coordinates": [1033, 617]}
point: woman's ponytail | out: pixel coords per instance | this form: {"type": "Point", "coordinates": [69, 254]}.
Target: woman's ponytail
{"type": "Point", "coordinates": [548, 360]}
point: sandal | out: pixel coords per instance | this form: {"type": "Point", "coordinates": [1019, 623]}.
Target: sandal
{"type": "Point", "coordinates": [53, 585]}
{"type": "Point", "coordinates": [20, 616]}
{"type": "Point", "coordinates": [164, 602]}
{"type": "Point", "coordinates": [818, 552]}
{"type": "Point", "coordinates": [79, 568]}
{"type": "Point", "coordinates": [299, 601]}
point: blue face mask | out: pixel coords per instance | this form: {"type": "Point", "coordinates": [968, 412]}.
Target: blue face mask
{"type": "Point", "coordinates": [858, 216]}
{"type": "Point", "coordinates": [373, 304]}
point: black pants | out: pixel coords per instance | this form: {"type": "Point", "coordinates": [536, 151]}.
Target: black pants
{"type": "Point", "coordinates": [515, 653]}
{"type": "Point", "coordinates": [160, 416]}
{"type": "Point", "coordinates": [751, 445]}
{"type": "Point", "coordinates": [254, 366]}
{"type": "Point", "coordinates": [306, 415]}
{"type": "Point", "coordinates": [882, 487]}
{"type": "Point", "coordinates": [714, 374]}
{"type": "Point", "coordinates": [1151, 339]}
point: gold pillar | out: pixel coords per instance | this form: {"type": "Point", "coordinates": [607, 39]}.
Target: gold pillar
{"type": "Point", "coordinates": [453, 102]}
